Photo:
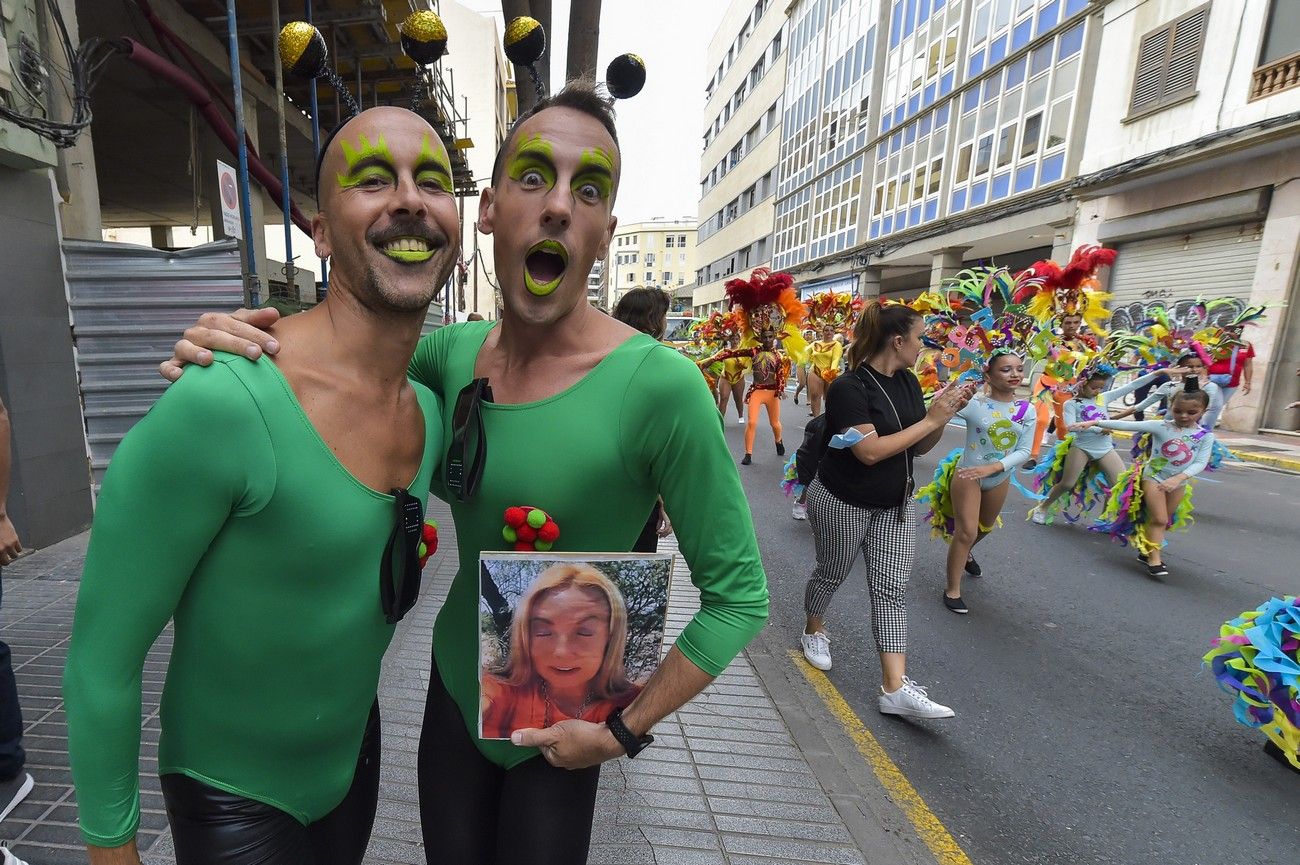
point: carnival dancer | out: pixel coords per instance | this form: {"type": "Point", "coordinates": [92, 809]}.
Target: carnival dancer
{"type": "Point", "coordinates": [1190, 366]}
{"type": "Point", "coordinates": [1085, 453]}
{"type": "Point", "coordinates": [1153, 496]}
{"type": "Point", "coordinates": [971, 483]}
{"type": "Point", "coordinates": [1228, 356]}
{"type": "Point", "coordinates": [829, 313]}
{"type": "Point", "coordinates": [1071, 296]}
{"type": "Point", "coordinates": [703, 344]}
{"type": "Point", "coordinates": [801, 369]}
{"type": "Point", "coordinates": [769, 313]}
{"type": "Point", "coordinates": [724, 327]}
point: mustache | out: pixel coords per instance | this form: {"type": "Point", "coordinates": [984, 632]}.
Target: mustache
{"type": "Point", "coordinates": [408, 228]}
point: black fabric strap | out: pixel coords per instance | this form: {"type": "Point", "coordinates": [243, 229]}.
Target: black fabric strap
{"type": "Point", "coordinates": [629, 740]}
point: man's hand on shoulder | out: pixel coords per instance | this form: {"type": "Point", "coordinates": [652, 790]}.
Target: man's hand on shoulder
{"type": "Point", "coordinates": [244, 332]}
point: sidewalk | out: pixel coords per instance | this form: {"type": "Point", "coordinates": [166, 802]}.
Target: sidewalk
{"type": "Point", "coordinates": [725, 781]}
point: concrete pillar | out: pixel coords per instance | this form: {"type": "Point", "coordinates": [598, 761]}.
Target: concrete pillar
{"type": "Point", "coordinates": [160, 236]}
{"type": "Point", "coordinates": [1063, 242]}
{"type": "Point", "coordinates": [78, 184]}
{"type": "Point", "coordinates": [869, 283]}
{"type": "Point", "coordinates": [945, 263]}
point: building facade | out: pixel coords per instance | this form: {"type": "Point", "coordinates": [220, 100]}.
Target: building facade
{"type": "Point", "coordinates": [747, 65]}
{"type": "Point", "coordinates": [657, 253]}
{"type": "Point", "coordinates": [1189, 170]}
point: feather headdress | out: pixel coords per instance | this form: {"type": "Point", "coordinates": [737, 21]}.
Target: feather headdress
{"type": "Point", "coordinates": [830, 309]}
{"type": "Point", "coordinates": [1049, 290]}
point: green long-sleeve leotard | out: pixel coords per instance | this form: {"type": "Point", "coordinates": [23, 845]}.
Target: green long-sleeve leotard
{"type": "Point", "coordinates": [595, 457]}
{"type": "Point", "coordinates": [226, 512]}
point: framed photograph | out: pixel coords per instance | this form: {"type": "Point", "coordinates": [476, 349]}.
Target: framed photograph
{"type": "Point", "coordinates": [566, 635]}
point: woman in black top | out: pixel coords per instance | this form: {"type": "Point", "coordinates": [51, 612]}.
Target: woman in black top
{"type": "Point", "coordinates": [861, 499]}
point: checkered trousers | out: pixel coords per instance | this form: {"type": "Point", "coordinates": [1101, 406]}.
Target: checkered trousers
{"type": "Point", "coordinates": [841, 531]}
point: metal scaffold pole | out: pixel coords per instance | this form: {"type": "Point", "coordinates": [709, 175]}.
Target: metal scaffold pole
{"type": "Point", "coordinates": [289, 269]}
{"type": "Point", "coordinates": [245, 204]}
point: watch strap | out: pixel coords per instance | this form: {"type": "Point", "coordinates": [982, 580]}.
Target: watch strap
{"type": "Point", "coordinates": [631, 743]}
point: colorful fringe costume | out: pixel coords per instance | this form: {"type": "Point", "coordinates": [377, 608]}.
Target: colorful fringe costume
{"type": "Point", "coordinates": [1124, 517]}
{"type": "Point", "coordinates": [1089, 491]}
{"type": "Point", "coordinates": [1257, 657]}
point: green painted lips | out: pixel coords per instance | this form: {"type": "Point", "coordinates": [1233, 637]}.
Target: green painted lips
{"type": "Point", "coordinates": [545, 248]}
{"type": "Point", "coordinates": [409, 250]}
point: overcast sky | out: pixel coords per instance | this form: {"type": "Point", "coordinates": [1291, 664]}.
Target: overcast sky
{"type": "Point", "coordinates": [660, 129]}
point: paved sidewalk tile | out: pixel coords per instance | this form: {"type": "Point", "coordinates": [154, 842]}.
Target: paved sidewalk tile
{"type": "Point", "coordinates": [724, 783]}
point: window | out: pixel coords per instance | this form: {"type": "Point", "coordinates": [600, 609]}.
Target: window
{"type": "Point", "coordinates": [631, 277]}
{"type": "Point", "coordinates": [1279, 56]}
{"type": "Point", "coordinates": [649, 277]}
{"type": "Point", "coordinates": [681, 241]}
{"type": "Point", "coordinates": [668, 241]}
{"type": "Point", "coordinates": [1029, 142]}
{"type": "Point", "coordinates": [1168, 61]}
{"type": "Point", "coordinates": [668, 277]}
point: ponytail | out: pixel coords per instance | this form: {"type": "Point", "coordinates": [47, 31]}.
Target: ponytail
{"type": "Point", "coordinates": [1192, 390]}
{"type": "Point", "coordinates": [876, 326]}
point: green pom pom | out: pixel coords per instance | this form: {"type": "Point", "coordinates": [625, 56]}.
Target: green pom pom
{"type": "Point", "coordinates": [423, 549]}
{"type": "Point", "coordinates": [509, 534]}
{"type": "Point", "coordinates": [536, 518]}
{"type": "Point", "coordinates": [542, 546]}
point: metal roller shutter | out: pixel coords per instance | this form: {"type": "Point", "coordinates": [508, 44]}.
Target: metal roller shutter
{"type": "Point", "coordinates": [1174, 271]}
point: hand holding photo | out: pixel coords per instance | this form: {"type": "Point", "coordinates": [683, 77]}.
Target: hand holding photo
{"type": "Point", "coordinates": [566, 635]}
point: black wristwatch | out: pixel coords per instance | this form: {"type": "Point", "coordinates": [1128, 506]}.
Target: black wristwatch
{"type": "Point", "coordinates": [630, 741]}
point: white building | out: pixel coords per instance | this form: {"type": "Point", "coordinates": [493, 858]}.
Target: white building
{"type": "Point", "coordinates": [746, 67]}
{"type": "Point", "coordinates": [1190, 170]}
{"type": "Point", "coordinates": [654, 253]}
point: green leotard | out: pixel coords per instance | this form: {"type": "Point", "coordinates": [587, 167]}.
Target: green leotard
{"type": "Point", "coordinates": [641, 424]}
{"type": "Point", "coordinates": [224, 510]}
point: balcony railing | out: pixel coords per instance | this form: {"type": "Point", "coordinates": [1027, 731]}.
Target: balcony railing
{"type": "Point", "coordinates": [1277, 76]}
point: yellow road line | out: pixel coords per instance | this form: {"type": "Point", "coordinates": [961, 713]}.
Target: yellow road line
{"type": "Point", "coordinates": [928, 827]}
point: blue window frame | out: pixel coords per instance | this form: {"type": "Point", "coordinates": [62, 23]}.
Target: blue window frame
{"type": "Point", "coordinates": [998, 50]}
{"type": "Point", "coordinates": [976, 64]}
{"type": "Point", "coordinates": [887, 225]}
{"type": "Point", "coordinates": [909, 134]}
{"type": "Point", "coordinates": [1040, 60]}
{"type": "Point", "coordinates": [1073, 6]}
{"type": "Point", "coordinates": [1070, 42]}
{"type": "Point", "coordinates": [1048, 16]}
{"type": "Point", "coordinates": [926, 122]}
{"type": "Point", "coordinates": [1001, 185]}
{"type": "Point", "coordinates": [914, 216]}
{"type": "Point", "coordinates": [1016, 73]}
{"type": "Point", "coordinates": [941, 115]}
{"type": "Point", "coordinates": [1025, 178]}
{"type": "Point", "coordinates": [978, 193]}
{"type": "Point", "coordinates": [958, 201]}
{"type": "Point", "coordinates": [1022, 34]}
{"type": "Point", "coordinates": [927, 99]}
{"type": "Point", "coordinates": [945, 84]}
{"type": "Point", "coordinates": [875, 228]}
{"type": "Point", "coordinates": [895, 142]}
{"type": "Point", "coordinates": [913, 105]}
{"type": "Point", "coordinates": [1053, 168]}
{"type": "Point", "coordinates": [898, 113]}
{"type": "Point", "coordinates": [970, 100]}
{"type": "Point", "coordinates": [931, 209]}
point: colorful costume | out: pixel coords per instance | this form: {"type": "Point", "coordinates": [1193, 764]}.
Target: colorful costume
{"type": "Point", "coordinates": [995, 432]}
{"type": "Point", "coordinates": [835, 310]}
{"type": "Point", "coordinates": [1173, 450]}
{"type": "Point", "coordinates": [1257, 657]}
{"type": "Point", "coordinates": [269, 566]}
{"type": "Point", "coordinates": [769, 313]}
{"type": "Point", "coordinates": [1051, 291]}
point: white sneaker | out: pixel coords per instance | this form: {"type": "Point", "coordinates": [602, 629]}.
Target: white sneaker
{"type": "Point", "coordinates": [8, 858]}
{"type": "Point", "coordinates": [13, 792]}
{"type": "Point", "coordinates": [1038, 517]}
{"type": "Point", "coordinates": [799, 511]}
{"type": "Point", "coordinates": [740, 420]}
{"type": "Point", "coordinates": [910, 700]}
{"type": "Point", "coordinates": [817, 649]}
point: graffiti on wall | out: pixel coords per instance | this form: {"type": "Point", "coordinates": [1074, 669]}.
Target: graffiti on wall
{"type": "Point", "coordinates": [1183, 313]}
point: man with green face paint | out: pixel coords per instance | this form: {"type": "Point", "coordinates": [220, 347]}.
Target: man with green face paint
{"type": "Point", "coordinates": [276, 540]}
{"type": "Point", "coordinates": [590, 421]}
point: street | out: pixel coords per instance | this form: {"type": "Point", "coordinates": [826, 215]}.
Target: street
{"type": "Point", "coordinates": [1086, 730]}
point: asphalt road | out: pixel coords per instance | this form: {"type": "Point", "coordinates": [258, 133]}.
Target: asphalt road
{"type": "Point", "coordinates": [1086, 730]}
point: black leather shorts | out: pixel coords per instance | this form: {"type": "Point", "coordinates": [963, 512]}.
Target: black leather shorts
{"type": "Point", "coordinates": [213, 827]}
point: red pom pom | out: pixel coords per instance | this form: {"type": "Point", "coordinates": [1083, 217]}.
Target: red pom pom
{"type": "Point", "coordinates": [549, 532]}
{"type": "Point", "coordinates": [521, 547]}
{"type": "Point", "coordinates": [429, 533]}
{"type": "Point", "coordinates": [516, 517]}
{"type": "Point", "coordinates": [526, 534]}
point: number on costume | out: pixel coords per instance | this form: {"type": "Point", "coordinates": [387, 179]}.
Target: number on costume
{"type": "Point", "coordinates": [1178, 451]}
{"type": "Point", "coordinates": [1002, 434]}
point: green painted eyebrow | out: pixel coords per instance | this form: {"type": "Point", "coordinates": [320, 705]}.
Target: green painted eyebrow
{"type": "Point", "coordinates": [434, 162]}
{"type": "Point", "coordinates": [366, 155]}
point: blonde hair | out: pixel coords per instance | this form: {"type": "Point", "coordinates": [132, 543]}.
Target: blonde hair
{"type": "Point", "coordinates": [611, 679]}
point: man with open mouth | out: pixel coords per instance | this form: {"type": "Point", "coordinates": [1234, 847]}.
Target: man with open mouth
{"type": "Point", "coordinates": [559, 407]}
